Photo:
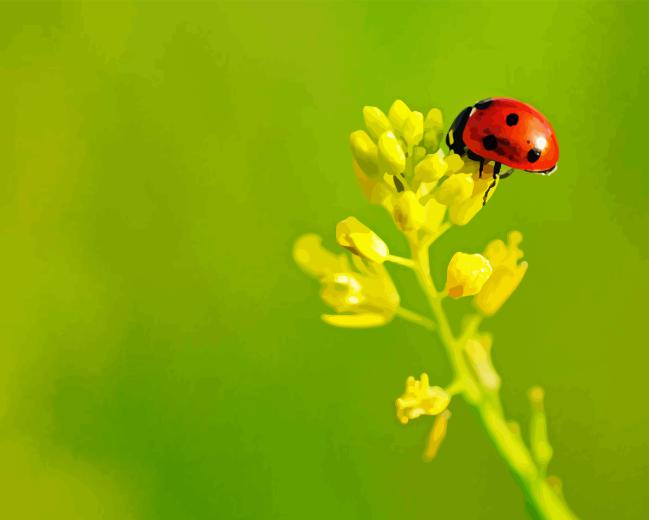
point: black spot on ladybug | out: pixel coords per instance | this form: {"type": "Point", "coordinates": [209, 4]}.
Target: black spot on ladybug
{"type": "Point", "coordinates": [533, 155]}
{"type": "Point", "coordinates": [490, 142]}
{"type": "Point", "coordinates": [481, 105]}
{"type": "Point", "coordinates": [511, 119]}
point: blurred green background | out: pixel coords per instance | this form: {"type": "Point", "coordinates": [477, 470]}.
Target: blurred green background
{"type": "Point", "coordinates": [160, 355]}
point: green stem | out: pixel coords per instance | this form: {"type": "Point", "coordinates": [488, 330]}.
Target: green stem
{"type": "Point", "coordinates": [414, 317]}
{"type": "Point", "coordinates": [545, 502]}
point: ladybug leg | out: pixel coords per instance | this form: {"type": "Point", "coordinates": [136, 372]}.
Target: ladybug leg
{"type": "Point", "coordinates": [507, 173]}
{"type": "Point", "coordinates": [496, 176]}
{"type": "Point", "coordinates": [481, 167]}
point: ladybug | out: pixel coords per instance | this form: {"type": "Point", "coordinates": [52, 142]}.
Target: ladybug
{"type": "Point", "coordinates": [506, 131]}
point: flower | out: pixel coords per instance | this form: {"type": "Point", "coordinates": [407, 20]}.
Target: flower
{"type": "Point", "coordinates": [431, 168]}
{"type": "Point", "coordinates": [507, 274]}
{"type": "Point", "coordinates": [316, 260]}
{"type": "Point", "coordinates": [362, 300]}
{"type": "Point", "coordinates": [466, 274]}
{"type": "Point", "coordinates": [399, 114]}
{"type": "Point", "coordinates": [463, 211]}
{"type": "Point", "coordinates": [421, 399]}
{"type": "Point", "coordinates": [433, 129]}
{"type": "Point", "coordinates": [361, 240]}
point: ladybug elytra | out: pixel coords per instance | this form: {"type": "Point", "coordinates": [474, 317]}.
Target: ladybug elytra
{"type": "Point", "coordinates": [505, 131]}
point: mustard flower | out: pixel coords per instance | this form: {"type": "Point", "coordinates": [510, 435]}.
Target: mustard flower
{"type": "Point", "coordinates": [399, 114]}
{"type": "Point", "coordinates": [362, 300]}
{"type": "Point", "coordinates": [467, 274]}
{"type": "Point", "coordinates": [421, 399]}
{"type": "Point", "coordinates": [455, 190]}
{"type": "Point", "coordinates": [315, 259]}
{"type": "Point", "coordinates": [507, 275]}
{"type": "Point", "coordinates": [361, 240]}
{"type": "Point", "coordinates": [433, 129]}
{"type": "Point", "coordinates": [365, 152]}
{"type": "Point", "coordinates": [376, 122]}
{"type": "Point", "coordinates": [392, 158]}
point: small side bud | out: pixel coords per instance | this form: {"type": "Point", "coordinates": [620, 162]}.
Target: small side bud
{"type": "Point", "coordinates": [399, 114]}
{"type": "Point", "coordinates": [433, 129]}
{"type": "Point", "coordinates": [431, 168]}
{"type": "Point", "coordinates": [361, 240]}
{"type": "Point", "coordinates": [466, 274]}
{"type": "Point", "coordinates": [413, 128]}
{"type": "Point", "coordinates": [455, 190]}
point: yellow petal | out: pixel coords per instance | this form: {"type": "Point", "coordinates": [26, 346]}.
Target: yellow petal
{"type": "Point", "coordinates": [454, 162]}
{"type": "Point", "coordinates": [434, 215]}
{"type": "Point", "coordinates": [361, 240]}
{"type": "Point", "coordinates": [499, 288]}
{"type": "Point", "coordinates": [433, 129]}
{"type": "Point", "coordinates": [437, 435]}
{"type": "Point", "coordinates": [355, 321]}
{"type": "Point", "coordinates": [316, 260]}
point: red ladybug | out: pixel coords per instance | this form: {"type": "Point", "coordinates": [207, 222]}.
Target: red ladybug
{"type": "Point", "coordinates": [506, 131]}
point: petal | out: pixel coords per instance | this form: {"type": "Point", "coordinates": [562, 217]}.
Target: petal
{"type": "Point", "coordinates": [355, 321]}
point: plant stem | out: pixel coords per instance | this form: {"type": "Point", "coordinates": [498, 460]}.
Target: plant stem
{"type": "Point", "coordinates": [414, 317]}
{"type": "Point", "coordinates": [541, 497]}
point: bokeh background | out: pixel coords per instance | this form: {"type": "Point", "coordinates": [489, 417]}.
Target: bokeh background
{"type": "Point", "coordinates": [160, 355]}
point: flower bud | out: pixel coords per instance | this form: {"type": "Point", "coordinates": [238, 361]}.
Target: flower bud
{"type": "Point", "coordinates": [365, 152]}
{"type": "Point", "coordinates": [421, 399]}
{"type": "Point", "coordinates": [376, 122]}
{"type": "Point", "coordinates": [413, 128]}
{"type": "Point", "coordinates": [433, 129]}
{"type": "Point", "coordinates": [392, 157]}
{"type": "Point", "coordinates": [399, 114]}
{"type": "Point", "coordinates": [466, 274]}
{"type": "Point", "coordinates": [455, 189]}
{"type": "Point", "coordinates": [408, 213]}
{"type": "Point", "coordinates": [431, 168]}
{"type": "Point", "coordinates": [361, 240]}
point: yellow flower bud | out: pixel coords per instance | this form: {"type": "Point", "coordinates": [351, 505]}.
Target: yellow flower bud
{"type": "Point", "coordinates": [375, 190]}
{"type": "Point", "coordinates": [437, 435]}
{"type": "Point", "coordinates": [434, 215]}
{"type": "Point", "coordinates": [393, 159]}
{"type": "Point", "coordinates": [407, 211]}
{"type": "Point", "coordinates": [431, 168]}
{"type": "Point", "coordinates": [454, 162]}
{"type": "Point", "coordinates": [507, 274]}
{"type": "Point", "coordinates": [316, 260]}
{"type": "Point", "coordinates": [413, 128]}
{"type": "Point", "coordinates": [420, 399]}
{"type": "Point", "coordinates": [399, 114]}
{"type": "Point", "coordinates": [361, 240]}
{"type": "Point", "coordinates": [455, 190]}
{"type": "Point", "coordinates": [466, 274]}
{"type": "Point", "coordinates": [365, 152]}
{"type": "Point", "coordinates": [433, 129]}
{"type": "Point", "coordinates": [376, 122]}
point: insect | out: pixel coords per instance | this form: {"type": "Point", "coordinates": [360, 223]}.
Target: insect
{"type": "Point", "coordinates": [505, 131]}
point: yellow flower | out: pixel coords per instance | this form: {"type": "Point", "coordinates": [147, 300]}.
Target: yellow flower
{"type": "Point", "coordinates": [407, 211]}
{"type": "Point", "coordinates": [391, 155]}
{"type": "Point", "coordinates": [361, 240]}
{"type": "Point", "coordinates": [365, 152]}
{"type": "Point", "coordinates": [421, 399]}
{"type": "Point", "coordinates": [467, 274]}
{"type": "Point", "coordinates": [455, 190]}
{"type": "Point", "coordinates": [376, 122]}
{"type": "Point", "coordinates": [375, 190]}
{"type": "Point", "coordinates": [433, 215]}
{"type": "Point", "coordinates": [507, 274]}
{"type": "Point", "coordinates": [364, 299]}
{"type": "Point", "coordinates": [314, 259]}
